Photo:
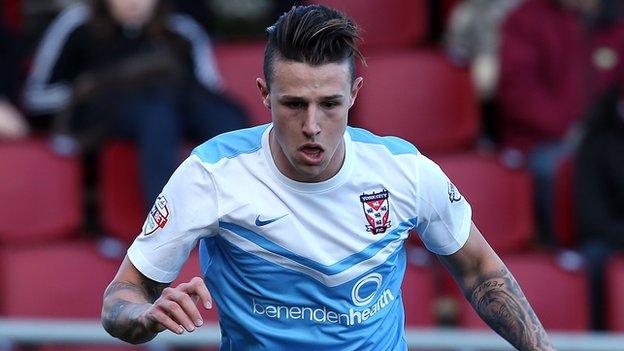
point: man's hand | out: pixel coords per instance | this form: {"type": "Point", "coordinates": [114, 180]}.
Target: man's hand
{"type": "Point", "coordinates": [176, 308]}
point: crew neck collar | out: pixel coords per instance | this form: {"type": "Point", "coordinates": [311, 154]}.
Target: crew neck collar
{"type": "Point", "coordinates": [316, 187]}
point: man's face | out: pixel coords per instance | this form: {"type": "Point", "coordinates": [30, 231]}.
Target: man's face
{"type": "Point", "coordinates": [309, 105]}
{"type": "Point", "coordinates": [132, 13]}
{"type": "Point", "coordinates": [584, 7]}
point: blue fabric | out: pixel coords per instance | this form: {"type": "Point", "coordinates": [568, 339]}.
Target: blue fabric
{"type": "Point", "coordinates": [335, 268]}
{"type": "Point", "coordinates": [159, 118]}
{"type": "Point", "coordinates": [263, 306]}
{"type": "Point", "coordinates": [231, 144]}
{"type": "Point", "coordinates": [397, 146]}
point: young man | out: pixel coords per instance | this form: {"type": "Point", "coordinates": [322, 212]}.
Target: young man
{"type": "Point", "coordinates": [302, 222]}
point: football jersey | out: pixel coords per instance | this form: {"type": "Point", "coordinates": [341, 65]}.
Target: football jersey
{"type": "Point", "coordinates": [293, 265]}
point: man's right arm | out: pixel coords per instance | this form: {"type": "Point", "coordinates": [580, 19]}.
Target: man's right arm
{"type": "Point", "coordinates": [135, 308]}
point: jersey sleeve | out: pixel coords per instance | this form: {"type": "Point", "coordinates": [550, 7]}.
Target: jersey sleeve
{"type": "Point", "coordinates": [183, 213]}
{"type": "Point", "coordinates": [444, 215]}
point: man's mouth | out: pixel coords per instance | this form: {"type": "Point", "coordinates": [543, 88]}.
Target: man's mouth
{"type": "Point", "coordinates": [312, 153]}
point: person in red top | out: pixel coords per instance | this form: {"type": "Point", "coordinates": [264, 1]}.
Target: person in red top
{"type": "Point", "coordinates": [557, 56]}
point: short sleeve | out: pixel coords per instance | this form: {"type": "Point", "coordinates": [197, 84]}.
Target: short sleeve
{"type": "Point", "coordinates": [183, 213]}
{"type": "Point", "coordinates": [444, 215]}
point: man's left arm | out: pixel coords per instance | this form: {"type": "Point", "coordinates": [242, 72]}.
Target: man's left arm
{"type": "Point", "coordinates": [495, 294]}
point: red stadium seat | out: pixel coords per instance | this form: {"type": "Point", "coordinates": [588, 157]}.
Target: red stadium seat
{"type": "Point", "coordinates": [122, 210]}
{"type": "Point", "coordinates": [563, 206]}
{"type": "Point", "coordinates": [615, 294]}
{"type": "Point", "coordinates": [386, 23]}
{"type": "Point", "coordinates": [189, 270]}
{"type": "Point", "coordinates": [501, 198]}
{"type": "Point", "coordinates": [559, 297]}
{"type": "Point", "coordinates": [421, 97]}
{"type": "Point", "coordinates": [63, 280]}
{"type": "Point", "coordinates": [418, 296]}
{"type": "Point", "coordinates": [41, 193]}
{"type": "Point", "coordinates": [240, 65]}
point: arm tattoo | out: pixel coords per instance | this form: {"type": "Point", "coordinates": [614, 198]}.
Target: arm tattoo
{"type": "Point", "coordinates": [152, 288]}
{"type": "Point", "coordinates": [498, 299]}
{"type": "Point", "coordinates": [120, 316]}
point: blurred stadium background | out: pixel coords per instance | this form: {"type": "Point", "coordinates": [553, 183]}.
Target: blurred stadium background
{"type": "Point", "coordinates": [56, 259]}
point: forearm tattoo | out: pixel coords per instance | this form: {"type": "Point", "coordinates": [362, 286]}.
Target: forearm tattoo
{"type": "Point", "coordinates": [500, 302]}
{"type": "Point", "coordinates": [120, 317]}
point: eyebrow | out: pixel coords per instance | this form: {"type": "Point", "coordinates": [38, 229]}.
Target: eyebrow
{"type": "Point", "coordinates": [332, 97]}
{"type": "Point", "coordinates": [299, 98]}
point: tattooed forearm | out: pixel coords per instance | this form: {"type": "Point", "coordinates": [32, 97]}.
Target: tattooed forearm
{"type": "Point", "coordinates": [121, 322]}
{"type": "Point", "coordinates": [153, 289]}
{"type": "Point", "coordinates": [500, 302]}
{"type": "Point", "coordinates": [123, 303]}
{"type": "Point", "coordinates": [149, 289]}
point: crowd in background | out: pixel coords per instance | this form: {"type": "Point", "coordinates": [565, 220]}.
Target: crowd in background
{"type": "Point", "coordinates": [557, 71]}
{"type": "Point", "coordinates": [548, 73]}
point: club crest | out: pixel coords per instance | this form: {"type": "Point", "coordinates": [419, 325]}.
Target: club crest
{"type": "Point", "coordinates": [377, 211]}
{"type": "Point", "coordinates": [158, 216]}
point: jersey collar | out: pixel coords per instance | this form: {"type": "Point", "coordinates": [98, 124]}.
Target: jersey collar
{"type": "Point", "coordinates": [338, 179]}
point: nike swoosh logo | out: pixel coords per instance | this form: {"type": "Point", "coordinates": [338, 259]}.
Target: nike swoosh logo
{"type": "Point", "coordinates": [261, 223]}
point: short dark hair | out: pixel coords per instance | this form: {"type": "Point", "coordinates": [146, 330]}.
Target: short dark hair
{"type": "Point", "coordinates": [312, 34]}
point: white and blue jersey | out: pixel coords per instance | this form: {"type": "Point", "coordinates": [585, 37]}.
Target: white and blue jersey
{"type": "Point", "coordinates": [309, 266]}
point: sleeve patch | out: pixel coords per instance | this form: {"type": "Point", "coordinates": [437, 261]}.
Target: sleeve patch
{"type": "Point", "coordinates": [453, 193]}
{"type": "Point", "coordinates": [157, 217]}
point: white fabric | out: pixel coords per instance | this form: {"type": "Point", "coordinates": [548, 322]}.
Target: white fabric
{"type": "Point", "coordinates": [323, 223]}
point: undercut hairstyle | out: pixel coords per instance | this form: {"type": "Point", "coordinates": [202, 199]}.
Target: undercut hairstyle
{"type": "Point", "coordinates": [313, 34]}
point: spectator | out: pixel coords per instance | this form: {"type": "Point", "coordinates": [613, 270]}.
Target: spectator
{"type": "Point", "coordinates": [600, 193]}
{"type": "Point", "coordinates": [557, 56]}
{"type": "Point", "coordinates": [130, 68]}
{"type": "Point", "coordinates": [243, 18]}
{"type": "Point", "coordinates": [12, 123]}
{"type": "Point", "coordinates": [472, 39]}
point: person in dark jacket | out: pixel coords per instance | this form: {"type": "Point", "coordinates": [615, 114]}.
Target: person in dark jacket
{"type": "Point", "coordinates": [557, 58]}
{"type": "Point", "coordinates": [132, 69]}
{"type": "Point", "coordinates": [600, 193]}
{"type": "Point", "coordinates": [12, 123]}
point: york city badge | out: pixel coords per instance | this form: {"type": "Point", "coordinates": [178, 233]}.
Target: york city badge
{"type": "Point", "coordinates": [377, 211]}
{"type": "Point", "coordinates": [158, 216]}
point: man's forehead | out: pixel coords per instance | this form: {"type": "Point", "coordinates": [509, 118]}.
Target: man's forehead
{"type": "Point", "coordinates": [293, 72]}
{"type": "Point", "coordinates": [328, 79]}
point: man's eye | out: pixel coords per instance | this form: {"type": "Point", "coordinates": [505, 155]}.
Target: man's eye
{"type": "Point", "coordinates": [294, 104]}
{"type": "Point", "coordinates": [329, 105]}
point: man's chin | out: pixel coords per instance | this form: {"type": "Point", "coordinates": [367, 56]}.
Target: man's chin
{"type": "Point", "coordinates": [310, 173]}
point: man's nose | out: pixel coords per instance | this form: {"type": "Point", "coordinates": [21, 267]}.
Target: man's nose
{"type": "Point", "coordinates": [311, 126]}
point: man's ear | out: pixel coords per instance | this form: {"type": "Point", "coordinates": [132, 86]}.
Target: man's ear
{"type": "Point", "coordinates": [264, 92]}
{"type": "Point", "coordinates": [357, 84]}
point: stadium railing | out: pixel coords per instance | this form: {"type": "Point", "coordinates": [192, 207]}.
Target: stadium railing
{"type": "Point", "coordinates": [41, 331]}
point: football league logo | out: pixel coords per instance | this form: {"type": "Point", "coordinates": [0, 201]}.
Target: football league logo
{"type": "Point", "coordinates": [453, 194]}
{"type": "Point", "coordinates": [377, 211]}
{"type": "Point", "coordinates": [158, 216]}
